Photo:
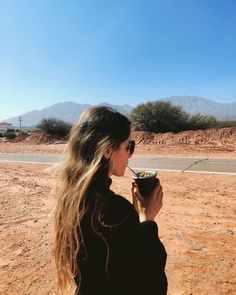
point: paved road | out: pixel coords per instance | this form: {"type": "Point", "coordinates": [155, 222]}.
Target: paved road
{"type": "Point", "coordinates": [201, 165]}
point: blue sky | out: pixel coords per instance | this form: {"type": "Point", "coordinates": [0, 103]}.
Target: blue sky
{"type": "Point", "coordinates": [121, 52]}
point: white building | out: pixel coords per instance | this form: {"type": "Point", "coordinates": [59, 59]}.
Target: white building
{"type": "Point", "coordinates": [6, 126]}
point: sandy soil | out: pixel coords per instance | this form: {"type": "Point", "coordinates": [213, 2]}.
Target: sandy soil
{"type": "Point", "coordinates": [197, 226]}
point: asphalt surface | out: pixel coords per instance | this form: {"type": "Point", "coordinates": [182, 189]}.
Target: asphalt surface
{"type": "Point", "coordinates": [200, 165]}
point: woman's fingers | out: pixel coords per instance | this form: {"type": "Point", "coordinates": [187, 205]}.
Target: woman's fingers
{"type": "Point", "coordinates": [134, 198]}
{"type": "Point", "coordinates": [137, 193]}
{"type": "Point", "coordinates": [159, 202]}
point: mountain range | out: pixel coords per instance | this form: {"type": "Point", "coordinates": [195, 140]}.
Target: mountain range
{"type": "Point", "coordinates": [194, 104]}
{"type": "Point", "coordinates": [66, 111]}
{"type": "Point", "coordinates": [70, 111]}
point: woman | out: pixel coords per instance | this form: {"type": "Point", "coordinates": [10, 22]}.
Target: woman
{"type": "Point", "coordinates": [104, 244]}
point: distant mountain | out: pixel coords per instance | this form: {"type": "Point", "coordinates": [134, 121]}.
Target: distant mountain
{"type": "Point", "coordinates": [66, 111]}
{"type": "Point", "coordinates": [70, 111]}
{"type": "Point", "coordinates": [194, 104]}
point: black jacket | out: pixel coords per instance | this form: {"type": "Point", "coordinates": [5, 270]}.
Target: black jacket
{"type": "Point", "coordinates": [136, 258]}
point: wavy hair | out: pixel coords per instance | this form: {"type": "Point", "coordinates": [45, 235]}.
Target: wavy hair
{"type": "Point", "coordinates": [83, 169]}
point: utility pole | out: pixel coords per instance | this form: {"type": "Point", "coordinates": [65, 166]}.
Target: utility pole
{"type": "Point", "coordinates": [20, 119]}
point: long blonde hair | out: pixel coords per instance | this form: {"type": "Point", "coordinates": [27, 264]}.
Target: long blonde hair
{"type": "Point", "coordinates": [83, 167]}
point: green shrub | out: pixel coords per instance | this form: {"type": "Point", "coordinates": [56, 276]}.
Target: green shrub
{"type": "Point", "coordinates": [22, 133]}
{"type": "Point", "coordinates": [55, 127]}
{"type": "Point", "coordinates": [10, 134]}
{"type": "Point", "coordinates": [159, 116]}
{"type": "Point", "coordinates": [224, 124]}
{"type": "Point", "coordinates": [199, 121]}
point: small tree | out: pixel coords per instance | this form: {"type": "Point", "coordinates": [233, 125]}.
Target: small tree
{"type": "Point", "coordinates": [226, 123]}
{"type": "Point", "coordinates": [55, 127]}
{"type": "Point", "coordinates": [10, 134]}
{"type": "Point", "coordinates": [22, 134]}
{"type": "Point", "coordinates": [199, 121]}
{"type": "Point", "coordinates": [159, 116]}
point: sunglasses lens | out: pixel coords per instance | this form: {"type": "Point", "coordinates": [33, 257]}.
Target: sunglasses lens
{"type": "Point", "coordinates": [131, 146]}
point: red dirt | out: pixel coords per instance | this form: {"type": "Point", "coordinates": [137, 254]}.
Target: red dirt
{"type": "Point", "coordinates": [196, 224]}
{"type": "Point", "coordinates": [37, 137]}
{"type": "Point", "coordinates": [207, 143]}
{"type": "Point", "coordinates": [224, 138]}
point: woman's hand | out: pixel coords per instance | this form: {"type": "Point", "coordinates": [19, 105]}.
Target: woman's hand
{"type": "Point", "coordinates": [149, 206]}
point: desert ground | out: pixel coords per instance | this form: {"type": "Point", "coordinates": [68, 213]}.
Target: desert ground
{"type": "Point", "coordinates": [196, 224]}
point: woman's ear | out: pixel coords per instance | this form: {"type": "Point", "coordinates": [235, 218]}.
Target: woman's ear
{"type": "Point", "coordinates": [108, 153]}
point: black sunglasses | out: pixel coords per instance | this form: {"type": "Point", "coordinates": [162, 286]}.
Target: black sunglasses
{"type": "Point", "coordinates": [131, 146]}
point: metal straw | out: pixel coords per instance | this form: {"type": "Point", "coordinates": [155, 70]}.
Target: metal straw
{"type": "Point", "coordinates": [132, 170]}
